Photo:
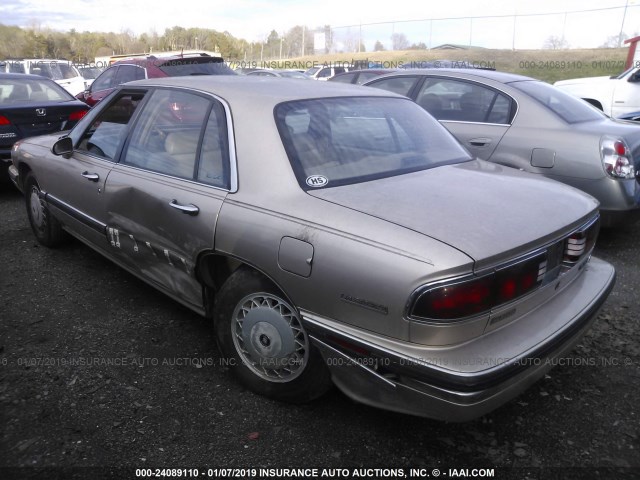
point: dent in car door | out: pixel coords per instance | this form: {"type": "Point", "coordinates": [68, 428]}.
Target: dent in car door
{"type": "Point", "coordinates": [165, 195]}
{"type": "Point", "coordinates": [477, 115]}
{"type": "Point", "coordinates": [76, 184]}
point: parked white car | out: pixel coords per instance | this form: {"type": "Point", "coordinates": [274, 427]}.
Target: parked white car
{"type": "Point", "coordinates": [326, 72]}
{"type": "Point", "coordinates": [60, 71]}
{"type": "Point", "coordinates": [616, 95]}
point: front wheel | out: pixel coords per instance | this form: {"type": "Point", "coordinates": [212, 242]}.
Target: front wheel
{"type": "Point", "coordinates": [45, 227]}
{"type": "Point", "coordinates": [265, 342]}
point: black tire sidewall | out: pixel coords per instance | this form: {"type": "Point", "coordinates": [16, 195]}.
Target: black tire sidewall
{"type": "Point", "coordinates": [51, 233]}
{"type": "Point", "coordinates": [314, 381]}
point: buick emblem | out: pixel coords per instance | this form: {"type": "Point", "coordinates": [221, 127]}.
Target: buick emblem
{"type": "Point", "coordinates": [41, 112]}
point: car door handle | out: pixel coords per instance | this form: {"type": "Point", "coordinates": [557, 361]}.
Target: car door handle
{"type": "Point", "coordinates": [479, 142]}
{"type": "Point", "coordinates": [190, 209]}
{"type": "Point", "coordinates": [94, 177]}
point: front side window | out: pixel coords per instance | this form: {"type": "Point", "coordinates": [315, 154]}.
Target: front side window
{"type": "Point", "coordinates": [338, 141]}
{"type": "Point", "coordinates": [448, 99]}
{"type": "Point", "coordinates": [108, 130]}
{"type": "Point", "coordinates": [129, 73]}
{"type": "Point", "coordinates": [105, 80]}
{"type": "Point", "coordinates": [343, 78]}
{"type": "Point", "coordinates": [324, 73]}
{"type": "Point", "coordinates": [182, 135]}
{"type": "Point", "coordinates": [399, 85]}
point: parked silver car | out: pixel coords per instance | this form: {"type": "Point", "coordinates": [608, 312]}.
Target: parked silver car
{"type": "Point", "coordinates": [332, 233]}
{"type": "Point", "coordinates": [530, 125]}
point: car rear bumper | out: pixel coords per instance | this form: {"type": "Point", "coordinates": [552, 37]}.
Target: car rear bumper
{"type": "Point", "coordinates": [460, 382]}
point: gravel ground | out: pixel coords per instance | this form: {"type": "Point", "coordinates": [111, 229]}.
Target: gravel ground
{"type": "Point", "coordinates": [99, 377]}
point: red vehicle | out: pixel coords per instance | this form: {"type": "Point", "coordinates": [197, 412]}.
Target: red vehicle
{"type": "Point", "coordinates": [139, 68]}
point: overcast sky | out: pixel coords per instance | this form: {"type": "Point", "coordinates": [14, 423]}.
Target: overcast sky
{"type": "Point", "coordinates": [254, 19]}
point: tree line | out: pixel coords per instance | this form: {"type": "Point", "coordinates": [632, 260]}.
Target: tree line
{"type": "Point", "coordinates": [83, 47]}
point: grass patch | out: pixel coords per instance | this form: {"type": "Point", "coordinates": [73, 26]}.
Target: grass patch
{"type": "Point", "coordinates": [547, 65]}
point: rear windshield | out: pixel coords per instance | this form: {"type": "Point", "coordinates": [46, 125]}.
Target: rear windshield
{"type": "Point", "coordinates": [571, 109]}
{"type": "Point", "coordinates": [339, 141]}
{"type": "Point", "coordinates": [31, 91]}
{"type": "Point", "coordinates": [195, 66]}
{"type": "Point", "coordinates": [53, 69]}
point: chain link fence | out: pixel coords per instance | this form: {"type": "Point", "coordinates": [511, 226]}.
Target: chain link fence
{"type": "Point", "coordinates": [591, 28]}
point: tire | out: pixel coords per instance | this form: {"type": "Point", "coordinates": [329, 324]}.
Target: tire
{"type": "Point", "coordinates": [45, 227]}
{"type": "Point", "coordinates": [261, 335]}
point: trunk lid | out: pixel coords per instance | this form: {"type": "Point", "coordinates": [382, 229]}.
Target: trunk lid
{"type": "Point", "coordinates": [489, 212]}
{"type": "Point", "coordinates": [29, 120]}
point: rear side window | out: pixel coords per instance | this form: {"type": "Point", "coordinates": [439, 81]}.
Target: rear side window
{"type": "Point", "coordinates": [448, 99]}
{"type": "Point", "coordinates": [571, 109]}
{"type": "Point", "coordinates": [182, 135]}
{"type": "Point", "coordinates": [338, 141]}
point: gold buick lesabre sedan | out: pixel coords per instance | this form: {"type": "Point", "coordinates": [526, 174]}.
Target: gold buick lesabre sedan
{"type": "Point", "coordinates": [334, 234]}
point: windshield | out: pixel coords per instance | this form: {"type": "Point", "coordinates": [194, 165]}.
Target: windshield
{"type": "Point", "coordinates": [339, 141]}
{"type": "Point", "coordinates": [31, 91]}
{"type": "Point", "coordinates": [89, 72]}
{"type": "Point", "coordinates": [181, 67]}
{"type": "Point", "coordinates": [571, 109]}
{"type": "Point", "coordinates": [623, 74]}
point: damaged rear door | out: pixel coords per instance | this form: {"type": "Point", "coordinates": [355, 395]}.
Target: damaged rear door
{"type": "Point", "coordinates": [164, 195]}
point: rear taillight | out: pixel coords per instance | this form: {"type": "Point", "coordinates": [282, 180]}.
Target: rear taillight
{"type": "Point", "coordinates": [4, 120]}
{"type": "Point", "coordinates": [77, 115]}
{"type": "Point", "coordinates": [480, 294]}
{"type": "Point", "coordinates": [616, 158]}
{"type": "Point", "coordinates": [580, 243]}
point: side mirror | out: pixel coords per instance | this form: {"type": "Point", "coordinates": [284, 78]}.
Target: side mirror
{"type": "Point", "coordinates": [635, 78]}
{"type": "Point", "coordinates": [63, 147]}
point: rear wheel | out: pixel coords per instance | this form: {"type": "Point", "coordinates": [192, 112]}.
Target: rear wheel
{"type": "Point", "coordinates": [45, 227]}
{"type": "Point", "coordinates": [261, 334]}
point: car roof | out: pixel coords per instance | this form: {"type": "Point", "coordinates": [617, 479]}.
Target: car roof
{"type": "Point", "coordinates": [266, 91]}
{"type": "Point", "coordinates": [23, 76]}
{"type": "Point", "coordinates": [158, 60]}
{"type": "Point", "coordinates": [502, 77]}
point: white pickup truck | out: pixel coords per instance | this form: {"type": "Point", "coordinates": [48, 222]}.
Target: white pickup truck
{"type": "Point", "coordinates": [616, 96]}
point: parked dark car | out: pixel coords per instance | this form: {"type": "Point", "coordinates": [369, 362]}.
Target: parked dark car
{"type": "Point", "coordinates": [359, 77]}
{"type": "Point", "coordinates": [32, 105]}
{"type": "Point", "coordinates": [533, 126]}
{"type": "Point", "coordinates": [331, 233]}
{"type": "Point", "coordinates": [139, 68]}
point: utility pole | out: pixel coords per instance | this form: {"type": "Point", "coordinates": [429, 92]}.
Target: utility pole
{"type": "Point", "coordinates": [624, 16]}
